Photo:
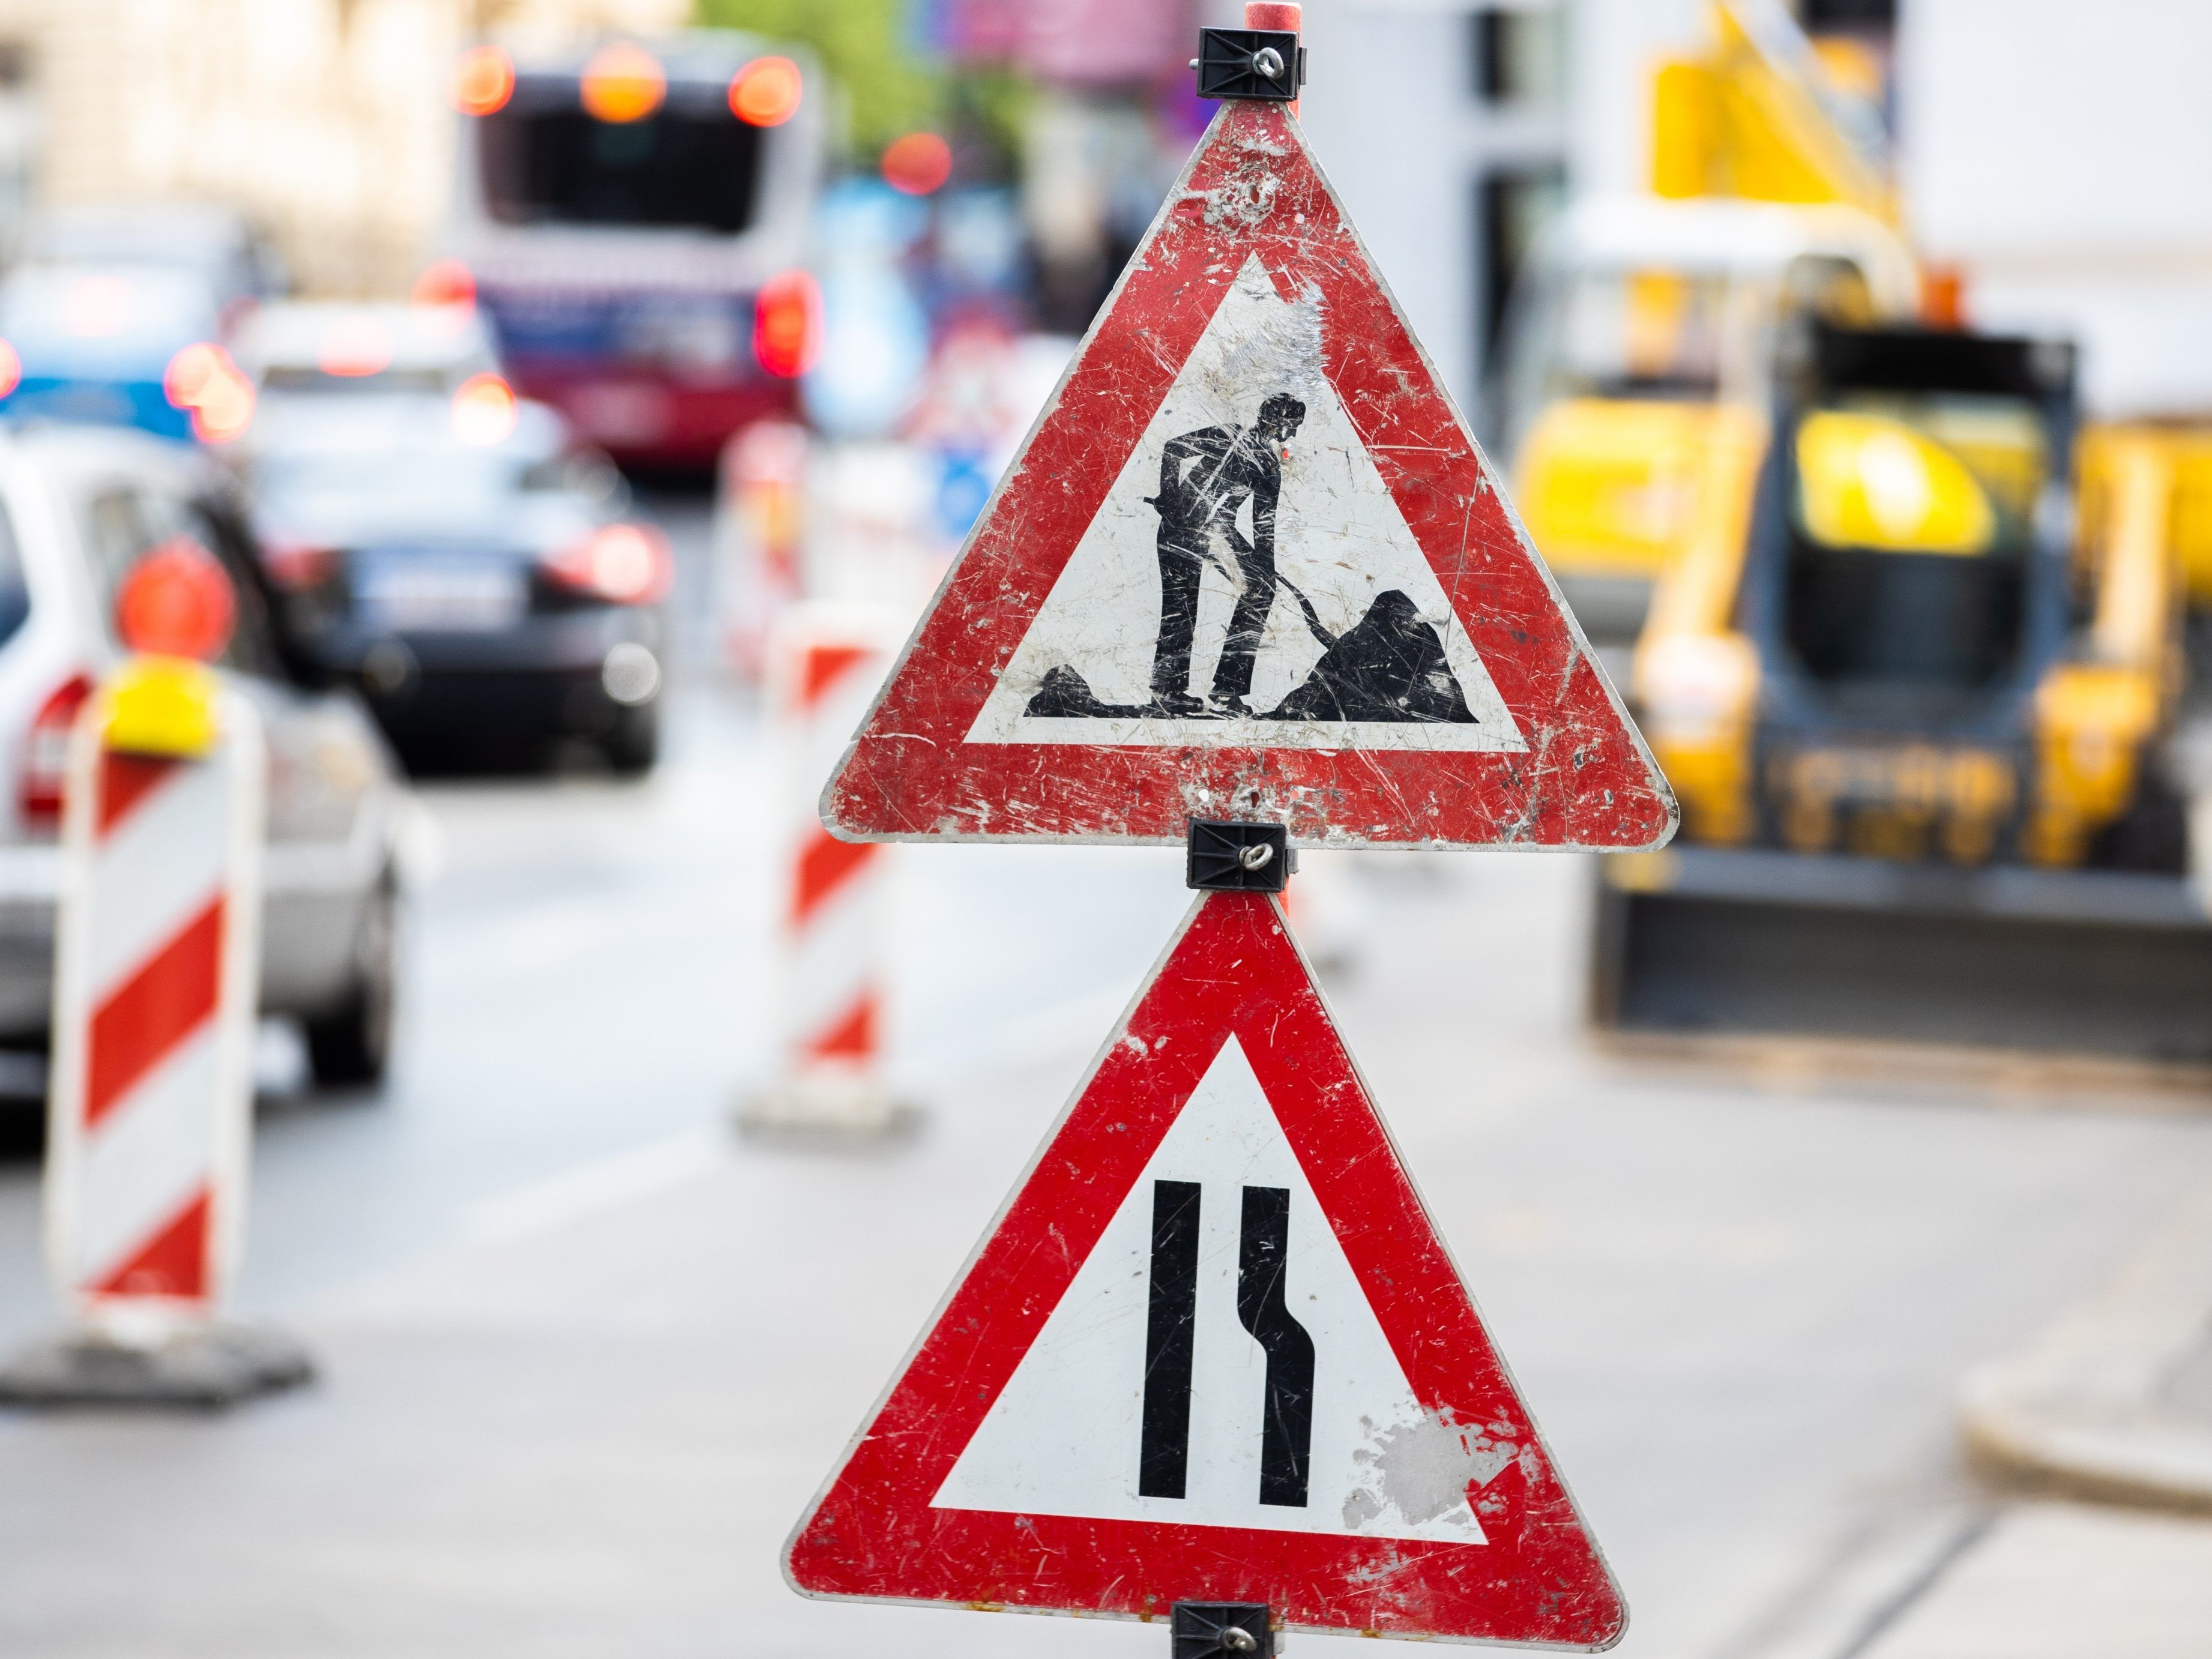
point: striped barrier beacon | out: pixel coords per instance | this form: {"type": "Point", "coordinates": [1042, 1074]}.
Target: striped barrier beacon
{"type": "Point", "coordinates": [759, 521]}
{"type": "Point", "coordinates": [826, 661]}
{"type": "Point", "coordinates": [156, 989]}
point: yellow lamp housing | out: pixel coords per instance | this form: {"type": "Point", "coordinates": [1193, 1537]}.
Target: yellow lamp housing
{"type": "Point", "coordinates": [163, 706]}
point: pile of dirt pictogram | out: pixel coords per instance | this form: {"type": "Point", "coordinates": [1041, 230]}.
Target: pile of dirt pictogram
{"type": "Point", "coordinates": [1389, 666]}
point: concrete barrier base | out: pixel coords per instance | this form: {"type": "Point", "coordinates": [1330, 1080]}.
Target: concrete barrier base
{"type": "Point", "coordinates": [824, 1108]}
{"type": "Point", "coordinates": [207, 1368]}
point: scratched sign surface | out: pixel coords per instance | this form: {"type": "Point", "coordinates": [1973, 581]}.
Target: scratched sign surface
{"type": "Point", "coordinates": [1250, 563]}
{"type": "Point", "coordinates": [1214, 1349]}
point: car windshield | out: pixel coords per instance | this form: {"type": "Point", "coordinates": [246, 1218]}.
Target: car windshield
{"type": "Point", "coordinates": [1912, 517]}
{"type": "Point", "coordinates": [675, 169]}
{"type": "Point", "coordinates": [427, 483]}
{"type": "Point", "coordinates": [451, 475]}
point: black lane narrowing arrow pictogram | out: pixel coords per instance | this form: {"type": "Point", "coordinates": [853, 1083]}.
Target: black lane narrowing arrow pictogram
{"type": "Point", "coordinates": [1170, 1333]}
{"type": "Point", "coordinates": [1263, 1309]}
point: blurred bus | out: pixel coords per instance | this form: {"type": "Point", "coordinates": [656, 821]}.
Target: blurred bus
{"type": "Point", "coordinates": [631, 217]}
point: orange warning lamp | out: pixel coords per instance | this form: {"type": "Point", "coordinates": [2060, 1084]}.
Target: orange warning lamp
{"type": "Point", "coordinates": [623, 83]}
{"type": "Point", "coordinates": [177, 602]}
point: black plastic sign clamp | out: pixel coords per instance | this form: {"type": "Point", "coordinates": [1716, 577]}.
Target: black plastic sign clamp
{"type": "Point", "coordinates": [1230, 857]}
{"type": "Point", "coordinates": [1249, 63]}
{"type": "Point", "coordinates": [1220, 1630]}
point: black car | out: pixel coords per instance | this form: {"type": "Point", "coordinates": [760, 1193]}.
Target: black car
{"type": "Point", "coordinates": [486, 597]}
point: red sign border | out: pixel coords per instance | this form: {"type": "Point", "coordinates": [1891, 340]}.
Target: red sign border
{"type": "Point", "coordinates": [1251, 189]}
{"type": "Point", "coordinates": [871, 1533]}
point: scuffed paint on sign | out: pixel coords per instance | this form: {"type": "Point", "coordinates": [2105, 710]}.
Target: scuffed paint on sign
{"type": "Point", "coordinates": [1250, 563]}
{"type": "Point", "coordinates": [1214, 1349]}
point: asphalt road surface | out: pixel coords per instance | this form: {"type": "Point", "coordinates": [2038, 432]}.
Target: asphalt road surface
{"type": "Point", "coordinates": [585, 1354]}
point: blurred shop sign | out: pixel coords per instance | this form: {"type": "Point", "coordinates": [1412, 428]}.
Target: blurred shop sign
{"type": "Point", "coordinates": [1072, 42]}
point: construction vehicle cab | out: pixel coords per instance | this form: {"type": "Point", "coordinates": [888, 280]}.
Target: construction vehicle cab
{"type": "Point", "coordinates": [1905, 592]}
{"type": "Point", "coordinates": [1643, 335]}
{"type": "Point", "coordinates": [1913, 716]}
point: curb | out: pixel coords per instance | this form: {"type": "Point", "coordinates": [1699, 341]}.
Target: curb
{"type": "Point", "coordinates": [2105, 1403]}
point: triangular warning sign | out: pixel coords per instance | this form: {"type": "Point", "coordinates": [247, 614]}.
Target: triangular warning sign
{"type": "Point", "coordinates": [1250, 563]}
{"type": "Point", "coordinates": [1213, 1349]}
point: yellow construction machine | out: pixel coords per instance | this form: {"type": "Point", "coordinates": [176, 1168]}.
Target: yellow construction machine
{"type": "Point", "coordinates": [1912, 646]}
{"type": "Point", "coordinates": [1919, 696]}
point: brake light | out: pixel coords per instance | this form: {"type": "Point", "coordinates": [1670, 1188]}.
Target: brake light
{"type": "Point", "coordinates": [625, 564]}
{"type": "Point", "coordinates": [483, 81]}
{"type": "Point", "coordinates": [11, 368]}
{"type": "Point", "coordinates": [622, 82]}
{"type": "Point", "coordinates": [202, 378]}
{"type": "Point", "coordinates": [787, 324]}
{"type": "Point", "coordinates": [224, 408]}
{"type": "Point", "coordinates": [189, 372]}
{"type": "Point", "coordinates": [485, 411]}
{"type": "Point", "coordinates": [445, 282]}
{"type": "Point", "coordinates": [46, 752]}
{"type": "Point", "coordinates": [766, 92]}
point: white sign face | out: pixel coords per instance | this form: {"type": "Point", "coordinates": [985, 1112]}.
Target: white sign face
{"type": "Point", "coordinates": [1249, 580]}
{"type": "Point", "coordinates": [1215, 1363]}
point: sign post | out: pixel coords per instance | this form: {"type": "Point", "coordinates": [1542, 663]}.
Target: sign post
{"type": "Point", "coordinates": [1250, 586]}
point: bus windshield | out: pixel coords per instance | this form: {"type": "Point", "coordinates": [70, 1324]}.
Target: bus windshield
{"type": "Point", "coordinates": [678, 169]}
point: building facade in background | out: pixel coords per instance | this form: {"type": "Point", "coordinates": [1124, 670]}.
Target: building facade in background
{"type": "Point", "coordinates": [326, 121]}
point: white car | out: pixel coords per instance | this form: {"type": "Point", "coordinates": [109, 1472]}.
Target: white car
{"type": "Point", "coordinates": [78, 508]}
{"type": "Point", "coordinates": [400, 367]}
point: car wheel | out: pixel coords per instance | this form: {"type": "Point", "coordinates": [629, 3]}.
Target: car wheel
{"type": "Point", "coordinates": [634, 744]}
{"type": "Point", "coordinates": [350, 1047]}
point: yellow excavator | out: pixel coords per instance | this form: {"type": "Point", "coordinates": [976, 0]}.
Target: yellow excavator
{"type": "Point", "coordinates": [1911, 644]}
{"type": "Point", "coordinates": [1642, 336]}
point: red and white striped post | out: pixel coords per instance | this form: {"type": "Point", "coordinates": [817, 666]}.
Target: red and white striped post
{"type": "Point", "coordinates": [826, 660]}
{"type": "Point", "coordinates": [759, 521]}
{"type": "Point", "coordinates": [156, 990]}
{"type": "Point", "coordinates": [153, 1012]}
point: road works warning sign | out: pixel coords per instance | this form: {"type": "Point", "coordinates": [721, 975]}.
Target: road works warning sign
{"type": "Point", "coordinates": [1250, 564]}
{"type": "Point", "coordinates": [1213, 1349]}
